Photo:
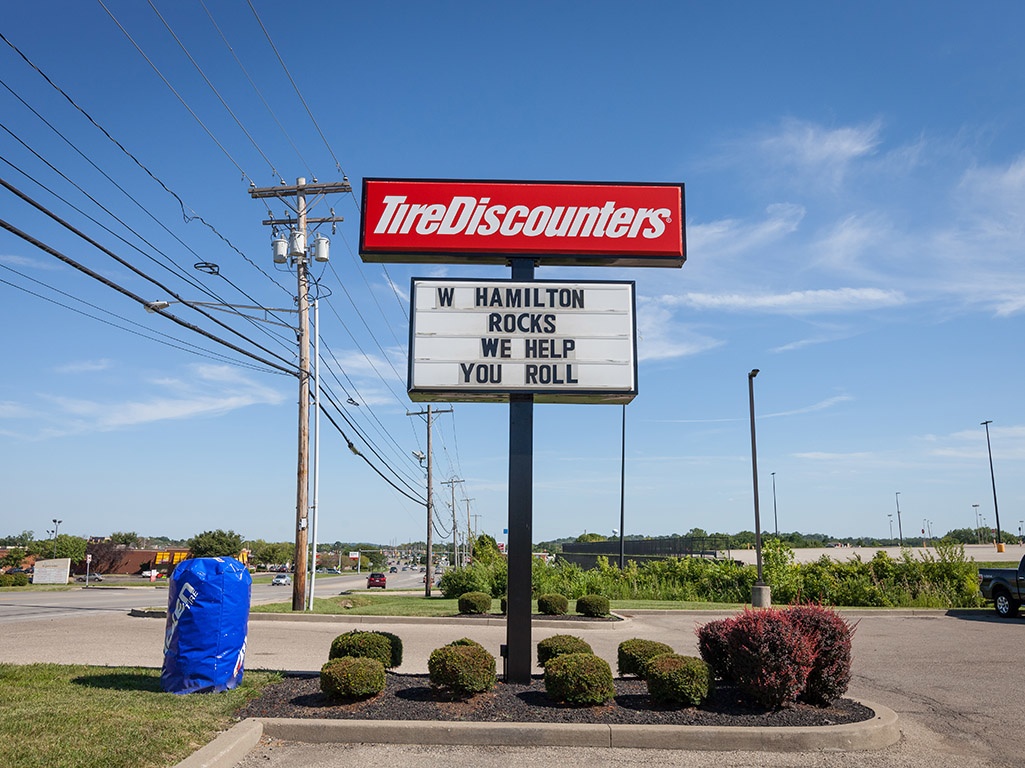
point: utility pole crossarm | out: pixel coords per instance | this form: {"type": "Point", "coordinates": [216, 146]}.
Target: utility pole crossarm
{"type": "Point", "coordinates": [301, 187]}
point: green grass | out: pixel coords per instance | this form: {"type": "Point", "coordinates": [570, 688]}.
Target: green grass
{"type": "Point", "coordinates": [39, 588]}
{"type": "Point", "coordinates": [997, 564]}
{"type": "Point", "coordinates": [57, 716]}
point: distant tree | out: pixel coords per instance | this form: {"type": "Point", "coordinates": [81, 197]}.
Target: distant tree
{"type": "Point", "coordinates": [587, 537]}
{"type": "Point", "coordinates": [377, 560]}
{"type": "Point", "coordinates": [485, 549]}
{"type": "Point", "coordinates": [14, 558]}
{"type": "Point", "coordinates": [107, 556]}
{"type": "Point", "coordinates": [962, 536]}
{"type": "Point", "coordinates": [215, 544]}
{"type": "Point", "coordinates": [72, 547]}
{"type": "Point", "coordinates": [22, 540]}
{"type": "Point", "coordinates": [128, 538]}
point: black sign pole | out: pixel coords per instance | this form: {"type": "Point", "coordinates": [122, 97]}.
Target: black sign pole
{"type": "Point", "coordinates": [521, 507]}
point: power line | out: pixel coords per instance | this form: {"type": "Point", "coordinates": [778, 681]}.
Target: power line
{"type": "Point", "coordinates": [258, 93]}
{"type": "Point", "coordinates": [216, 92]}
{"type": "Point", "coordinates": [124, 291]}
{"type": "Point", "coordinates": [135, 269]}
{"type": "Point", "coordinates": [194, 217]}
{"type": "Point", "coordinates": [296, 87]}
{"type": "Point", "coordinates": [183, 346]}
{"type": "Point", "coordinates": [184, 104]}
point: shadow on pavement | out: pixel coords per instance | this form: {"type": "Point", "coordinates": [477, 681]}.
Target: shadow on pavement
{"type": "Point", "coordinates": [987, 617]}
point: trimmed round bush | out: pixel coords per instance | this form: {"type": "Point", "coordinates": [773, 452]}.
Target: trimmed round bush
{"type": "Point", "coordinates": [675, 679]}
{"type": "Point", "coordinates": [634, 654]}
{"type": "Point", "coordinates": [466, 641]}
{"type": "Point", "coordinates": [553, 605]}
{"type": "Point", "coordinates": [462, 669]}
{"type": "Point", "coordinates": [713, 645]}
{"type": "Point", "coordinates": [20, 579]}
{"type": "Point", "coordinates": [579, 678]}
{"type": "Point", "coordinates": [352, 677]}
{"type": "Point", "coordinates": [770, 658]}
{"type": "Point", "coordinates": [474, 602]}
{"type": "Point", "coordinates": [368, 645]}
{"type": "Point", "coordinates": [830, 637]}
{"type": "Point", "coordinates": [558, 645]}
{"type": "Point", "coordinates": [396, 649]}
{"type": "Point", "coordinates": [6, 579]}
{"type": "Point", "coordinates": [504, 603]}
{"type": "Point", "coordinates": [593, 605]}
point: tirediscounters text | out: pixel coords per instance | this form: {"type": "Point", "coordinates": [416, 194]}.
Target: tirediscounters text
{"type": "Point", "coordinates": [484, 340]}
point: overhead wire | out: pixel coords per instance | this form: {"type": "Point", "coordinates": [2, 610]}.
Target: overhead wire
{"type": "Point", "coordinates": [296, 87]}
{"type": "Point", "coordinates": [258, 93]}
{"type": "Point", "coordinates": [125, 292]}
{"type": "Point", "coordinates": [216, 92]}
{"type": "Point", "coordinates": [173, 265]}
{"type": "Point", "coordinates": [194, 217]}
{"type": "Point", "coordinates": [43, 209]}
{"type": "Point", "coordinates": [152, 335]}
{"type": "Point", "coordinates": [177, 95]}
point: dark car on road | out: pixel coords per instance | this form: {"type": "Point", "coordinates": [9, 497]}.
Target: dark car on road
{"type": "Point", "coordinates": [376, 580]}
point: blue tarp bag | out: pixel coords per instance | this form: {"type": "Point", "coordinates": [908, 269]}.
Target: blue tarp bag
{"type": "Point", "coordinates": [207, 621]}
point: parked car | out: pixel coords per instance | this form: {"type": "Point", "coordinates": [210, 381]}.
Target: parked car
{"type": "Point", "coordinates": [1005, 587]}
{"type": "Point", "coordinates": [333, 570]}
{"type": "Point", "coordinates": [393, 569]}
{"type": "Point", "coordinates": [92, 577]}
{"type": "Point", "coordinates": [282, 580]}
{"type": "Point", "coordinates": [376, 580]}
{"type": "Point", "coordinates": [153, 572]}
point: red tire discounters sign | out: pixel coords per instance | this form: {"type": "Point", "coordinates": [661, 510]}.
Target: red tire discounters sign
{"type": "Point", "coordinates": [556, 222]}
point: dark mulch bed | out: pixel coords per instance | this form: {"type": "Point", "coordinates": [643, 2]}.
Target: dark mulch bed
{"type": "Point", "coordinates": [410, 697]}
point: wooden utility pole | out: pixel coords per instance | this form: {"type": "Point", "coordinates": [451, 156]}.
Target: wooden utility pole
{"type": "Point", "coordinates": [431, 415]}
{"type": "Point", "coordinates": [297, 253]}
{"type": "Point", "coordinates": [455, 549]}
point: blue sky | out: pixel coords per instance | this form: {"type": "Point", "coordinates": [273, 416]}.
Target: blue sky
{"type": "Point", "coordinates": [856, 215]}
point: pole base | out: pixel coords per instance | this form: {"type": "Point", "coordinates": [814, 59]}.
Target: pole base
{"type": "Point", "coordinates": [761, 596]}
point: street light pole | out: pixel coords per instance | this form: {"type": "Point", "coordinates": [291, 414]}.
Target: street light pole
{"type": "Point", "coordinates": [56, 525]}
{"type": "Point", "coordinates": [900, 528]}
{"type": "Point", "coordinates": [889, 516]}
{"type": "Point", "coordinates": [993, 479]}
{"type": "Point", "coordinates": [978, 530]}
{"type": "Point", "coordinates": [775, 519]}
{"type": "Point", "coordinates": [761, 593]}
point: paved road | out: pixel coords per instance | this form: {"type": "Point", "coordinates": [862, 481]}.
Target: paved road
{"type": "Point", "coordinates": [943, 674]}
{"type": "Point", "coordinates": [34, 605]}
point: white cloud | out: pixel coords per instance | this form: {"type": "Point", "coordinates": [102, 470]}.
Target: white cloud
{"type": "Point", "coordinates": [819, 406]}
{"type": "Point", "coordinates": [820, 154]}
{"type": "Point", "coordinates": [659, 338]}
{"type": "Point", "coordinates": [12, 410]}
{"type": "Point", "coordinates": [1007, 443]}
{"type": "Point", "coordinates": [25, 261]}
{"type": "Point", "coordinates": [730, 237]}
{"type": "Point", "coordinates": [795, 302]}
{"type": "Point", "coordinates": [85, 366]}
{"type": "Point", "coordinates": [823, 456]}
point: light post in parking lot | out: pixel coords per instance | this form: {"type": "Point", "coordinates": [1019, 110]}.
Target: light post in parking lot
{"type": "Point", "coordinates": [993, 479]}
{"type": "Point", "coordinates": [978, 530]}
{"type": "Point", "coordinates": [900, 528]}
{"type": "Point", "coordinates": [889, 516]}
{"type": "Point", "coordinates": [761, 593]}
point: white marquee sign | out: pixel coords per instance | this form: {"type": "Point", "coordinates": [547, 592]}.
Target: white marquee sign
{"type": "Point", "coordinates": [482, 340]}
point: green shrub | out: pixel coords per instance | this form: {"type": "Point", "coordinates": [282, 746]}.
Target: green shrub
{"type": "Point", "coordinates": [352, 677]}
{"type": "Point", "coordinates": [7, 579]}
{"type": "Point", "coordinates": [674, 679]}
{"type": "Point", "coordinates": [458, 581]}
{"type": "Point", "coordinates": [552, 605]}
{"type": "Point", "coordinates": [368, 645]}
{"type": "Point", "coordinates": [474, 602]}
{"type": "Point", "coordinates": [593, 605]}
{"type": "Point", "coordinates": [770, 658]}
{"type": "Point", "coordinates": [558, 645]}
{"type": "Point", "coordinates": [579, 678]}
{"type": "Point", "coordinates": [396, 649]}
{"type": "Point", "coordinates": [713, 645]}
{"type": "Point", "coordinates": [504, 603]}
{"type": "Point", "coordinates": [634, 654]}
{"type": "Point", "coordinates": [20, 579]}
{"type": "Point", "coordinates": [466, 641]}
{"type": "Point", "coordinates": [830, 637]}
{"type": "Point", "coordinates": [462, 669]}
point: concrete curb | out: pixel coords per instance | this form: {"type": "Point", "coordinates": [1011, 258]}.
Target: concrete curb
{"type": "Point", "coordinates": [879, 732]}
{"type": "Point", "coordinates": [228, 748]}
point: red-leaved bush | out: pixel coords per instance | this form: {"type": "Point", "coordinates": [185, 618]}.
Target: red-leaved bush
{"type": "Point", "coordinates": [769, 657]}
{"type": "Point", "coordinates": [713, 645]}
{"type": "Point", "coordinates": [830, 638]}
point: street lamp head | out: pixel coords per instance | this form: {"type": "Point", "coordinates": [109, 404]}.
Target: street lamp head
{"type": "Point", "coordinates": [984, 423]}
{"type": "Point", "coordinates": [754, 372]}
